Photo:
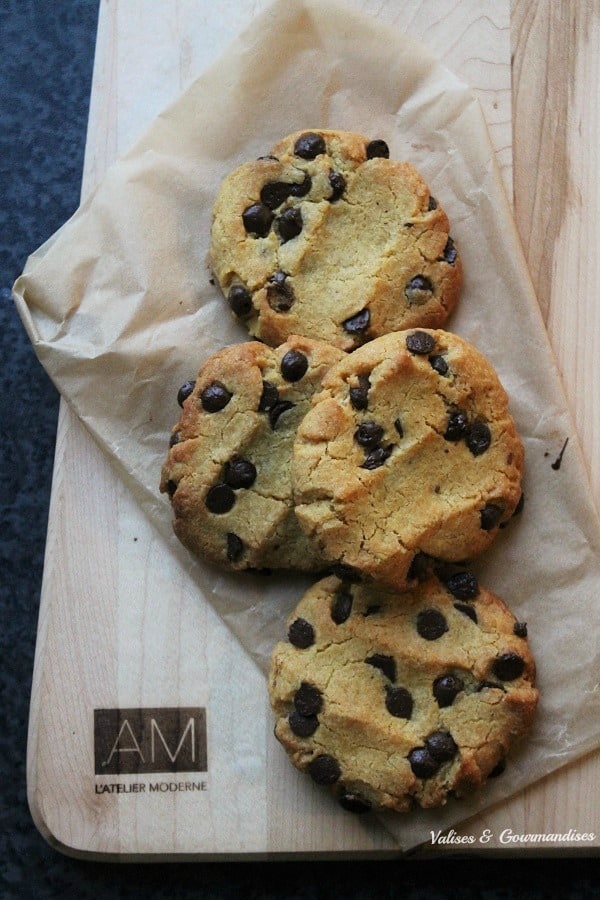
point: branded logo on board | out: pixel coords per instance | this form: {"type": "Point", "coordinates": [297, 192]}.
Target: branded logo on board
{"type": "Point", "coordinates": [163, 739]}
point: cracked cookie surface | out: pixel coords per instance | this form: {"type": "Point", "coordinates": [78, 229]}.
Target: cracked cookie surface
{"type": "Point", "coordinates": [227, 472]}
{"type": "Point", "coordinates": [409, 449]}
{"type": "Point", "coordinates": [329, 238]}
{"type": "Point", "coordinates": [401, 700]}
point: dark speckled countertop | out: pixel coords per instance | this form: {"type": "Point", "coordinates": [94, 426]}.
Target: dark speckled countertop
{"type": "Point", "coordinates": [46, 65]}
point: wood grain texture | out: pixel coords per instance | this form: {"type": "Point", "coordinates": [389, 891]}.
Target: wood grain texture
{"type": "Point", "coordinates": [120, 624]}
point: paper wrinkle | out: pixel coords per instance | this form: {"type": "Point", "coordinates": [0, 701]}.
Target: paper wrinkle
{"type": "Point", "coordinates": [120, 309]}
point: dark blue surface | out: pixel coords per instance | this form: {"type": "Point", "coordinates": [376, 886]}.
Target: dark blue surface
{"type": "Point", "coordinates": [45, 77]}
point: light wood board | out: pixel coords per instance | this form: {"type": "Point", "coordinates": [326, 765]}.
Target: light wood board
{"type": "Point", "coordinates": [109, 638]}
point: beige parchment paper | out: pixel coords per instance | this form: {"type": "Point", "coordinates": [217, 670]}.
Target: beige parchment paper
{"type": "Point", "coordinates": [121, 311]}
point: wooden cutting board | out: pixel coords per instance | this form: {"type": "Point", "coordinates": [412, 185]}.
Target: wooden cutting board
{"type": "Point", "coordinates": [121, 625]}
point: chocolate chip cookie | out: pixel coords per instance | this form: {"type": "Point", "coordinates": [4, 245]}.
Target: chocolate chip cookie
{"type": "Point", "coordinates": [409, 449]}
{"type": "Point", "coordinates": [401, 700]}
{"type": "Point", "coordinates": [328, 237]}
{"type": "Point", "coordinates": [228, 466]}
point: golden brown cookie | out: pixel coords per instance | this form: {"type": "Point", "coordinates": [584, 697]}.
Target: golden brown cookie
{"type": "Point", "coordinates": [409, 448]}
{"type": "Point", "coordinates": [228, 467]}
{"type": "Point", "coordinates": [395, 700]}
{"type": "Point", "coordinates": [329, 238]}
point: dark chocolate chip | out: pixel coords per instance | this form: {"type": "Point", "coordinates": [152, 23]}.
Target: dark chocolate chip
{"type": "Point", "coordinates": [302, 726]}
{"type": "Point", "coordinates": [420, 342]}
{"type": "Point", "coordinates": [303, 188]}
{"type": "Point", "coordinates": [338, 186]}
{"type": "Point", "coordinates": [498, 769]}
{"type": "Point", "coordinates": [309, 145]}
{"type": "Point", "coordinates": [269, 397]}
{"type": "Point", "coordinates": [257, 219]}
{"type": "Point", "coordinates": [457, 426]}
{"type": "Point", "coordinates": [422, 762]}
{"type": "Point", "coordinates": [240, 300]}
{"type": "Point", "coordinates": [175, 438]}
{"type": "Point", "coordinates": [439, 364]}
{"type": "Point", "coordinates": [520, 629]}
{"type": "Point", "coordinates": [377, 148]}
{"type": "Point", "coordinates": [294, 365]}
{"type": "Point", "coordinates": [354, 803]}
{"type": "Point", "coordinates": [377, 457]}
{"type": "Point", "coordinates": [398, 702]}
{"type": "Point", "coordinates": [466, 610]}
{"type": "Point", "coordinates": [289, 224]}
{"type": "Point", "coordinates": [308, 699]}
{"type": "Point", "coordinates": [490, 516]}
{"type": "Point", "coordinates": [432, 204]}
{"type": "Point", "coordinates": [463, 585]}
{"type": "Point", "coordinates": [171, 487]}
{"type": "Point", "coordinates": [449, 255]}
{"type": "Point", "coordinates": [301, 634]}
{"type": "Point", "coordinates": [184, 391]}
{"type": "Point", "coordinates": [324, 769]}
{"type": "Point", "coordinates": [445, 689]}
{"type": "Point", "coordinates": [220, 498]}
{"type": "Point", "coordinates": [398, 427]}
{"type": "Point", "coordinates": [357, 324]}
{"type": "Point", "coordinates": [341, 606]}
{"type": "Point", "coordinates": [418, 290]}
{"type": "Point", "coordinates": [277, 411]}
{"type": "Point", "coordinates": [280, 295]}
{"type": "Point", "coordinates": [235, 547]}
{"type": "Point", "coordinates": [478, 438]}
{"type": "Point", "coordinates": [441, 745]}
{"type": "Point", "coordinates": [215, 397]}
{"type": "Point", "coordinates": [420, 566]}
{"type": "Point", "coordinates": [508, 666]}
{"type": "Point", "coordinates": [239, 473]}
{"type": "Point", "coordinates": [431, 624]}
{"type": "Point", "coordinates": [359, 394]}
{"type": "Point", "coordinates": [274, 193]}
{"type": "Point", "coordinates": [386, 664]}
{"type": "Point", "coordinates": [368, 434]}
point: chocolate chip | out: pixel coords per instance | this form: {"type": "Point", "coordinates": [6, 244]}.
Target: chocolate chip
{"type": "Point", "coordinates": [309, 145]}
{"type": "Point", "coordinates": [345, 572]}
{"type": "Point", "coordinates": [457, 426]}
{"type": "Point", "coordinates": [431, 624]}
{"type": "Point", "coordinates": [277, 411]}
{"type": "Point", "coordinates": [235, 547]}
{"type": "Point", "coordinates": [368, 434]}
{"type": "Point", "coordinates": [432, 204]}
{"type": "Point", "coordinates": [354, 803]}
{"type": "Point", "coordinates": [175, 438]}
{"type": "Point", "coordinates": [359, 394]}
{"type": "Point", "coordinates": [280, 295]}
{"type": "Point", "coordinates": [257, 219]}
{"type": "Point", "coordinates": [478, 438]}
{"type": "Point", "coordinates": [301, 634]}
{"type": "Point", "coordinates": [398, 702]}
{"type": "Point", "coordinates": [215, 397]}
{"type": "Point", "coordinates": [420, 342]}
{"type": "Point", "coordinates": [422, 762]}
{"type": "Point", "coordinates": [289, 224]}
{"type": "Point", "coordinates": [171, 487]}
{"type": "Point", "coordinates": [420, 566]}
{"type": "Point", "coordinates": [184, 391]}
{"type": "Point", "coordinates": [294, 365]}
{"type": "Point", "coordinates": [220, 498]}
{"type": "Point", "coordinates": [357, 324]}
{"type": "Point", "coordinates": [377, 457]}
{"type": "Point", "coordinates": [463, 585]}
{"type": "Point", "coordinates": [398, 427]}
{"type": "Point", "coordinates": [239, 473]}
{"type": "Point", "coordinates": [508, 666]}
{"type": "Point", "coordinates": [240, 300]}
{"type": "Point", "coordinates": [449, 255]}
{"type": "Point", "coordinates": [274, 193]}
{"type": "Point", "coordinates": [441, 746]}
{"type": "Point", "coordinates": [466, 610]}
{"type": "Point", "coordinates": [324, 769]}
{"type": "Point", "coordinates": [308, 699]}
{"type": "Point", "coordinates": [439, 364]}
{"type": "Point", "coordinates": [520, 629]}
{"type": "Point", "coordinates": [338, 186]}
{"type": "Point", "coordinates": [377, 148]}
{"type": "Point", "coordinates": [341, 606]}
{"type": "Point", "coordinates": [303, 188]}
{"type": "Point", "coordinates": [302, 726]}
{"type": "Point", "coordinates": [386, 664]}
{"type": "Point", "coordinates": [418, 290]}
{"type": "Point", "coordinates": [269, 397]}
{"type": "Point", "coordinates": [490, 516]}
{"type": "Point", "coordinates": [445, 689]}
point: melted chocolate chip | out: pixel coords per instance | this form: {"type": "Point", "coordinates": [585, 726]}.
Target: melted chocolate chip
{"type": "Point", "coordinates": [449, 255]}
{"type": "Point", "coordinates": [280, 295]}
{"type": "Point", "coordinates": [398, 702]}
{"type": "Point", "coordinates": [422, 762]}
{"type": "Point", "coordinates": [269, 397]}
{"type": "Point", "coordinates": [308, 700]}
{"type": "Point", "coordinates": [257, 219]}
{"type": "Point", "coordinates": [368, 434]}
{"type": "Point", "coordinates": [439, 364]}
{"type": "Point", "coordinates": [357, 324]}
{"type": "Point", "coordinates": [303, 188]}
{"type": "Point", "coordinates": [324, 769]}
{"type": "Point", "coordinates": [277, 411]}
{"type": "Point", "coordinates": [445, 689]}
{"type": "Point", "coordinates": [289, 224]}
{"type": "Point", "coordinates": [184, 391]}
{"type": "Point", "coordinates": [215, 397]}
{"type": "Point", "coordinates": [466, 610]}
{"type": "Point", "coordinates": [441, 746]}
{"type": "Point", "coordinates": [490, 516]}
{"type": "Point", "coordinates": [463, 585]}
{"type": "Point", "coordinates": [240, 300]}
{"type": "Point", "coordinates": [418, 290]}
{"type": "Point", "coordinates": [431, 624]}
{"type": "Point", "coordinates": [301, 634]}
{"type": "Point", "coordinates": [377, 148]}
{"type": "Point", "coordinates": [385, 664]}
{"type": "Point", "coordinates": [457, 426]}
{"type": "Point", "coordinates": [338, 186]}
{"type": "Point", "coordinates": [341, 606]}
{"type": "Point", "coordinates": [294, 365]}
{"type": "Point", "coordinates": [520, 629]}
{"type": "Point", "coordinates": [220, 498]}
{"type": "Point", "coordinates": [508, 666]}
{"type": "Point", "coordinates": [354, 803]}
{"type": "Point", "coordinates": [239, 473]}
{"type": "Point", "coordinates": [478, 438]}
{"type": "Point", "coordinates": [420, 342]}
{"type": "Point", "coordinates": [274, 193]}
{"type": "Point", "coordinates": [309, 145]}
{"type": "Point", "coordinates": [235, 547]}
{"type": "Point", "coordinates": [377, 457]}
{"type": "Point", "coordinates": [359, 394]}
{"type": "Point", "coordinates": [302, 726]}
